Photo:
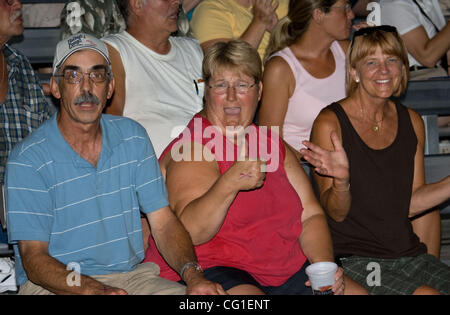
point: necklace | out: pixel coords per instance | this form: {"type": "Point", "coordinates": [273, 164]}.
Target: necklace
{"type": "Point", "coordinates": [376, 123]}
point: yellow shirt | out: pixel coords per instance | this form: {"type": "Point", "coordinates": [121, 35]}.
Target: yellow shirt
{"type": "Point", "coordinates": [213, 19]}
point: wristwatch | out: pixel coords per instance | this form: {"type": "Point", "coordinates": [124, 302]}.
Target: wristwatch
{"type": "Point", "coordinates": [189, 265]}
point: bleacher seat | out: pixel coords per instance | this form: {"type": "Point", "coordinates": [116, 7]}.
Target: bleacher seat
{"type": "Point", "coordinates": [436, 168]}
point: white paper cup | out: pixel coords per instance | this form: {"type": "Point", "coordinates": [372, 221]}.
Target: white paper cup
{"type": "Point", "coordinates": [321, 276]}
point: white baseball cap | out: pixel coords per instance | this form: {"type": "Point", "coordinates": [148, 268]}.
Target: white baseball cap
{"type": "Point", "coordinates": [77, 42]}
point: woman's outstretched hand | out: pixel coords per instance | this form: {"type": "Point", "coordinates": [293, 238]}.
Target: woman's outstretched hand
{"type": "Point", "coordinates": [329, 163]}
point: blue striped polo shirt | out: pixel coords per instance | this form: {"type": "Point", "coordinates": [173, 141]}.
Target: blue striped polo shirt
{"type": "Point", "coordinates": [89, 215]}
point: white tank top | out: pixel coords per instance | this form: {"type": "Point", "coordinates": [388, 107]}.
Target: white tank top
{"type": "Point", "coordinates": [310, 95]}
{"type": "Point", "coordinates": [163, 92]}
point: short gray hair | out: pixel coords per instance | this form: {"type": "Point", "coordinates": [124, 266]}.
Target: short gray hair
{"type": "Point", "coordinates": [124, 7]}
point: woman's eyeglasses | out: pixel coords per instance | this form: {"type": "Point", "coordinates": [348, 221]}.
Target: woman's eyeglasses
{"type": "Point", "coordinates": [346, 7]}
{"type": "Point", "coordinates": [239, 87]}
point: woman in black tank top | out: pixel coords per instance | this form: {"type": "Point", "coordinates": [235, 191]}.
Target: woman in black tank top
{"type": "Point", "coordinates": [368, 156]}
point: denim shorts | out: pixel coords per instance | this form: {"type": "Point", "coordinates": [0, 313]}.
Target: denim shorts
{"type": "Point", "coordinates": [230, 277]}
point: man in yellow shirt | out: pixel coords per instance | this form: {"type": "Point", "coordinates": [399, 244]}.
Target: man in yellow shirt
{"type": "Point", "coordinates": [249, 20]}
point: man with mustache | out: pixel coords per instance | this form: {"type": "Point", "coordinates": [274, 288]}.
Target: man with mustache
{"type": "Point", "coordinates": [22, 102]}
{"type": "Point", "coordinates": [75, 189]}
{"type": "Point", "coordinates": [158, 76]}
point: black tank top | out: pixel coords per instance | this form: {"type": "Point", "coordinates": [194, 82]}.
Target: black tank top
{"type": "Point", "coordinates": [381, 181]}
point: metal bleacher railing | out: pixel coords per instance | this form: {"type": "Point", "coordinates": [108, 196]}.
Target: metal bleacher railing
{"type": "Point", "coordinates": [39, 43]}
{"type": "Point", "coordinates": [431, 98]}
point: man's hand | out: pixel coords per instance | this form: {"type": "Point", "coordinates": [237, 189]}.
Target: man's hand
{"type": "Point", "coordinates": [205, 287]}
{"type": "Point", "coordinates": [107, 290]}
{"type": "Point", "coordinates": [198, 285]}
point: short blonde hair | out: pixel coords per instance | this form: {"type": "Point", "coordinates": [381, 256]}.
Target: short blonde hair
{"type": "Point", "coordinates": [365, 42]}
{"type": "Point", "coordinates": [235, 55]}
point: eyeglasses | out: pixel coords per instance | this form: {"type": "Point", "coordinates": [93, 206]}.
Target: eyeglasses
{"type": "Point", "coordinates": [347, 7]}
{"type": "Point", "coordinates": [239, 87]}
{"type": "Point", "coordinates": [74, 76]}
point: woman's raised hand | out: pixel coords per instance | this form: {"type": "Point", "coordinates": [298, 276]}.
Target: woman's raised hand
{"type": "Point", "coordinates": [329, 163]}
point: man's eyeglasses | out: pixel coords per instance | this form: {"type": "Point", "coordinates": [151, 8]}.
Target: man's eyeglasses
{"type": "Point", "coordinates": [75, 76]}
{"type": "Point", "coordinates": [239, 87]}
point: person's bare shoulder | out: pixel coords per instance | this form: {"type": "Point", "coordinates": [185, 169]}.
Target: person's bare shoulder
{"type": "Point", "coordinates": [325, 123]}
{"type": "Point", "coordinates": [278, 71]}
{"type": "Point", "coordinates": [326, 117]}
{"type": "Point", "coordinates": [276, 63]}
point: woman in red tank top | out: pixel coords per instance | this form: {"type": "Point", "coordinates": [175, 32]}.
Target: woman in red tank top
{"type": "Point", "coordinates": [245, 200]}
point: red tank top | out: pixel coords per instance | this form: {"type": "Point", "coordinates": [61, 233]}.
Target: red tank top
{"type": "Point", "coordinates": [261, 230]}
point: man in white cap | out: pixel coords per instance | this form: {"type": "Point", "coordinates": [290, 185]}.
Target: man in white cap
{"type": "Point", "coordinates": [75, 189]}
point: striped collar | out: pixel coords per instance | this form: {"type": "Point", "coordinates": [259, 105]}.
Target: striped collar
{"type": "Point", "coordinates": [111, 137]}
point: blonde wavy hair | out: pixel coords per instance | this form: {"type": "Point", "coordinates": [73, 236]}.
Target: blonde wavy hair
{"type": "Point", "coordinates": [365, 42]}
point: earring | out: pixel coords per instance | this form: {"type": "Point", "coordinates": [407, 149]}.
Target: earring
{"type": "Point", "coordinates": [357, 80]}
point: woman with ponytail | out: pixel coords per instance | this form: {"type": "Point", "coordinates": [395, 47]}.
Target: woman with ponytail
{"type": "Point", "coordinates": [305, 66]}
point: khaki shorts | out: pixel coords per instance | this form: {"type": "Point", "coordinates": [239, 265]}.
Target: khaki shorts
{"type": "Point", "coordinates": [144, 280]}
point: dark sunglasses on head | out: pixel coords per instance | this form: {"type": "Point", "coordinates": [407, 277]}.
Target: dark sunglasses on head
{"type": "Point", "coordinates": [369, 30]}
